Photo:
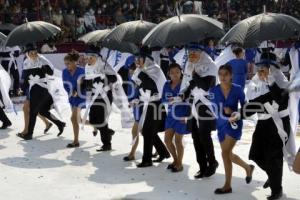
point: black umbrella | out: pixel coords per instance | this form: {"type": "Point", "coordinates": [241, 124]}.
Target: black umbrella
{"type": "Point", "coordinates": [252, 31]}
{"type": "Point", "coordinates": [95, 37]}
{"type": "Point", "coordinates": [99, 37]}
{"type": "Point", "coordinates": [183, 29]}
{"type": "Point", "coordinates": [133, 31]}
{"type": "Point", "coordinates": [31, 32]}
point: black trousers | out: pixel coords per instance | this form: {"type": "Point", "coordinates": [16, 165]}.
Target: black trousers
{"type": "Point", "coordinates": [203, 143]}
{"type": "Point", "coordinates": [266, 150]}
{"type": "Point", "coordinates": [3, 117]}
{"type": "Point", "coordinates": [14, 73]}
{"type": "Point", "coordinates": [150, 134]}
{"type": "Point", "coordinates": [98, 117]}
{"type": "Point", "coordinates": [40, 103]}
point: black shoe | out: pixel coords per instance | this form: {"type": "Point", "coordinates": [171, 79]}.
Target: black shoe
{"type": "Point", "coordinates": [267, 184]}
{"type": "Point", "coordinates": [61, 128]}
{"type": "Point", "coordinates": [199, 174]}
{"type": "Point", "coordinates": [73, 145]}
{"type": "Point", "coordinates": [48, 128]}
{"type": "Point", "coordinates": [275, 195]}
{"type": "Point", "coordinates": [249, 178]}
{"type": "Point", "coordinates": [5, 125]}
{"type": "Point", "coordinates": [104, 148]}
{"type": "Point", "coordinates": [171, 166]}
{"type": "Point", "coordinates": [161, 158]}
{"type": "Point", "coordinates": [222, 191]}
{"type": "Point", "coordinates": [25, 136]}
{"type": "Point", "coordinates": [175, 169]}
{"type": "Point", "coordinates": [211, 170]}
{"type": "Point", "coordinates": [128, 158]}
{"type": "Point", "coordinates": [144, 164]}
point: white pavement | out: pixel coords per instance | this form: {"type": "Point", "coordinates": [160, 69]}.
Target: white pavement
{"type": "Point", "coordinates": [43, 169]}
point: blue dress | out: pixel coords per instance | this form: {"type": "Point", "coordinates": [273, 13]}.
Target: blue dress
{"type": "Point", "coordinates": [236, 95]}
{"type": "Point", "coordinates": [133, 93]}
{"type": "Point", "coordinates": [240, 70]}
{"type": "Point", "coordinates": [71, 85]}
{"type": "Point", "coordinates": [179, 110]}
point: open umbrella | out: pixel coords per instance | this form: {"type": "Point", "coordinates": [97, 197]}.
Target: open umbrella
{"type": "Point", "coordinates": [133, 31]}
{"type": "Point", "coordinates": [99, 37]}
{"type": "Point", "coordinates": [252, 31]}
{"type": "Point", "coordinates": [183, 29]}
{"type": "Point", "coordinates": [31, 32]}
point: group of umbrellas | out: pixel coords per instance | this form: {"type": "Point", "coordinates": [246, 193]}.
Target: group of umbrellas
{"type": "Point", "coordinates": [177, 30]}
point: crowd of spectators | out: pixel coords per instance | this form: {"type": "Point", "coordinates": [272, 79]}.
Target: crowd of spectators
{"type": "Point", "coordinates": [77, 17]}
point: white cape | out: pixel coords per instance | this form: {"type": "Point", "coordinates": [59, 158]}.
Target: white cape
{"type": "Point", "coordinates": [5, 83]}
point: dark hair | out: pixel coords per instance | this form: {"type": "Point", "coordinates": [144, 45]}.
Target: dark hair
{"type": "Point", "coordinates": [237, 51]}
{"type": "Point", "coordinates": [174, 65]}
{"type": "Point", "coordinates": [73, 56]}
{"type": "Point", "coordinates": [226, 67]}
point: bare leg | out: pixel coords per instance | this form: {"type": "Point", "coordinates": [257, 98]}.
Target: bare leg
{"type": "Point", "coordinates": [75, 123]}
{"type": "Point", "coordinates": [180, 149]}
{"type": "Point", "coordinates": [26, 116]}
{"type": "Point", "coordinates": [227, 145]}
{"type": "Point", "coordinates": [135, 136]}
{"type": "Point", "coordinates": [296, 166]}
{"type": "Point", "coordinates": [45, 120]}
{"type": "Point", "coordinates": [169, 134]}
{"type": "Point", "coordinates": [238, 161]}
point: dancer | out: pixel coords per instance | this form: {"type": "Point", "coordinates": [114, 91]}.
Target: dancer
{"type": "Point", "coordinates": [5, 101]}
{"type": "Point", "coordinates": [37, 71]}
{"type": "Point", "coordinates": [239, 67]}
{"type": "Point", "coordinates": [204, 73]}
{"type": "Point", "coordinates": [267, 96]}
{"type": "Point", "coordinates": [175, 125]}
{"type": "Point", "coordinates": [150, 80]}
{"type": "Point", "coordinates": [225, 98]}
{"type": "Point", "coordinates": [99, 77]}
{"type": "Point", "coordinates": [8, 61]}
{"type": "Point", "coordinates": [71, 76]}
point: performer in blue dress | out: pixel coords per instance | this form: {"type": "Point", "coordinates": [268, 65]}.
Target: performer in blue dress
{"type": "Point", "coordinates": [177, 112]}
{"type": "Point", "coordinates": [239, 67]}
{"type": "Point", "coordinates": [71, 76]}
{"type": "Point", "coordinates": [225, 98]}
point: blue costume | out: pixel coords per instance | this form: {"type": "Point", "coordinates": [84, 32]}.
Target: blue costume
{"type": "Point", "coordinates": [180, 111]}
{"type": "Point", "coordinates": [71, 84]}
{"type": "Point", "coordinates": [240, 70]}
{"type": "Point", "coordinates": [133, 93]}
{"type": "Point", "coordinates": [235, 96]}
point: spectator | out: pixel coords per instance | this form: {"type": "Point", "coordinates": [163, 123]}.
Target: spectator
{"type": "Point", "coordinates": [49, 47]}
{"type": "Point", "coordinates": [90, 20]}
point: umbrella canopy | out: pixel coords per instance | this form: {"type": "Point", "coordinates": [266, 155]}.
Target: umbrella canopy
{"type": "Point", "coordinates": [95, 37]}
{"type": "Point", "coordinates": [252, 31]}
{"type": "Point", "coordinates": [183, 29]}
{"type": "Point", "coordinates": [133, 31]}
{"type": "Point", "coordinates": [99, 37]}
{"type": "Point", "coordinates": [2, 38]}
{"type": "Point", "coordinates": [31, 32]}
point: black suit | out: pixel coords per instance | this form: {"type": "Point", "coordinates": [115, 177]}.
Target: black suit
{"type": "Point", "coordinates": [151, 125]}
{"type": "Point", "coordinates": [201, 135]}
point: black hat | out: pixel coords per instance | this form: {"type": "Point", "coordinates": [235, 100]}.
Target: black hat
{"type": "Point", "coordinates": [30, 47]}
{"type": "Point", "coordinates": [267, 59]}
{"type": "Point", "coordinates": [145, 52]}
{"type": "Point", "coordinates": [93, 51]}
